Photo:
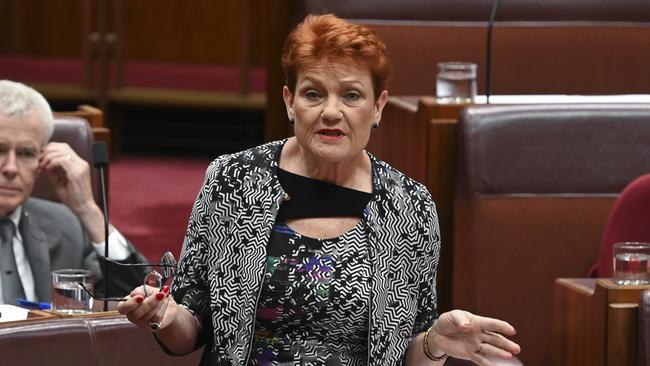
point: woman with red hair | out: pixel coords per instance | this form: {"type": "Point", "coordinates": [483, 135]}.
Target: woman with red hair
{"type": "Point", "coordinates": [310, 250]}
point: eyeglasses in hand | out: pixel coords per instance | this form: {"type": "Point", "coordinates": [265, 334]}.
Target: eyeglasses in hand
{"type": "Point", "coordinates": [153, 279]}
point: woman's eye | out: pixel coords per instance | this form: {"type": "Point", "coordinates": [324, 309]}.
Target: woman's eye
{"type": "Point", "coordinates": [352, 96]}
{"type": "Point", "coordinates": [312, 95]}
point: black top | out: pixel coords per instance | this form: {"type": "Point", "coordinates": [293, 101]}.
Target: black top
{"type": "Point", "coordinates": [308, 197]}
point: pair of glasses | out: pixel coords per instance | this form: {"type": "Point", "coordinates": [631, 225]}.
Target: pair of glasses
{"type": "Point", "coordinates": [153, 279]}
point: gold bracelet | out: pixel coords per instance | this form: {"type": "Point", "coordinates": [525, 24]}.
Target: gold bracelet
{"type": "Point", "coordinates": [427, 351]}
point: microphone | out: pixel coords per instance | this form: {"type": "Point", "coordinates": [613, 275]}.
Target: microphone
{"type": "Point", "coordinates": [100, 154]}
{"type": "Point", "coordinates": [488, 61]}
{"type": "Point", "coordinates": [100, 161]}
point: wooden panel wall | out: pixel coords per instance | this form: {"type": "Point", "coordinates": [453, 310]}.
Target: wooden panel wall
{"type": "Point", "coordinates": [198, 31]}
{"type": "Point", "coordinates": [42, 28]}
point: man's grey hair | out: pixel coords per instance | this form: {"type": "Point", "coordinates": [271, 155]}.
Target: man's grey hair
{"type": "Point", "coordinates": [18, 100]}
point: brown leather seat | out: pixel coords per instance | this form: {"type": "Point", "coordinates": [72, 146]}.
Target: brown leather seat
{"type": "Point", "coordinates": [93, 341]}
{"type": "Point", "coordinates": [118, 342]}
{"type": "Point", "coordinates": [58, 342]}
{"type": "Point", "coordinates": [535, 184]}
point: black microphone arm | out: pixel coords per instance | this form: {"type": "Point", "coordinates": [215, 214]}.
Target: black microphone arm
{"type": "Point", "coordinates": [488, 60]}
{"type": "Point", "coordinates": [100, 161]}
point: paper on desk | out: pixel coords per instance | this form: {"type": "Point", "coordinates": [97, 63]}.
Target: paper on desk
{"type": "Point", "coordinates": [10, 313]}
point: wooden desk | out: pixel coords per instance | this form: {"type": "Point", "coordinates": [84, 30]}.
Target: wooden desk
{"type": "Point", "coordinates": [32, 316]}
{"type": "Point", "coordinates": [47, 315]}
{"type": "Point", "coordinates": [595, 322]}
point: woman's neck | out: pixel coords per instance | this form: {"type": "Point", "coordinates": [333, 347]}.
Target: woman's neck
{"type": "Point", "coordinates": [352, 173]}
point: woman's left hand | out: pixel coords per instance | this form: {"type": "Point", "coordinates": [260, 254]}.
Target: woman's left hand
{"type": "Point", "coordinates": [462, 334]}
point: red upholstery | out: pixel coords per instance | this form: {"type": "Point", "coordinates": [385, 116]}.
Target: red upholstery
{"type": "Point", "coordinates": [42, 69]}
{"type": "Point", "coordinates": [178, 76]}
{"type": "Point", "coordinates": [628, 221]}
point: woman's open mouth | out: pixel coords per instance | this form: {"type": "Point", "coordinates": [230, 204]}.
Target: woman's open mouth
{"type": "Point", "coordinates": [331, 134]}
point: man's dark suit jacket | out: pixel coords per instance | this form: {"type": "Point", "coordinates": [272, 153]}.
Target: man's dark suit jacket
{"type": "Point", "coordinates": [54, 238]}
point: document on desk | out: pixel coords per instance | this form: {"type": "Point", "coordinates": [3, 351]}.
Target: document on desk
{"type": "Point", "coordinates": [9, 313]}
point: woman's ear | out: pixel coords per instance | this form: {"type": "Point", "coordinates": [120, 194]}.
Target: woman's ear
{"type": "Point", "coordinates": [380, 104]}
{"type": "Point", "coordinates": [288, 102]}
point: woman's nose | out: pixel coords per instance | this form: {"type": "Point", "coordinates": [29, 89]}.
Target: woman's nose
{"type": "Point", "coordinates": [332, 110]}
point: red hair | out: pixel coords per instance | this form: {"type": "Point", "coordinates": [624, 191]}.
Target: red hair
{"type": "Point", "coordinates": [329, 38]}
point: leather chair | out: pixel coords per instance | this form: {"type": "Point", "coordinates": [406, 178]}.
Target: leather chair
{"type": "Point", "coordinates": [534, 187]}
{"type": "Point", "coordinates": [95, 118]}
{"type": "Point", "coordinates": [77, 132]}
{"type": "Point", "coordinates": [628, 221]}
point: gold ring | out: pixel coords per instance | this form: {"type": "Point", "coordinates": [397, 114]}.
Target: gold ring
{"type": "Point", "coordinates": [154, 325]}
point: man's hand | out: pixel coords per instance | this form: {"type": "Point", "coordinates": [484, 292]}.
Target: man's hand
{"type": "Point", "coordinates": [70, 177]}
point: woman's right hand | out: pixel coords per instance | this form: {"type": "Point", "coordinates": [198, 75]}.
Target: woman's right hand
{"type": "Point", "coordinates": [472, 337]}
{"type": "Point", "coordinates": [151, 313]}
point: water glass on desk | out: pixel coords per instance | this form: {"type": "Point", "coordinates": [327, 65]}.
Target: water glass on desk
{"type": "Point", "coordinates": [68, 296]}
{"type": "Point", "coordinates": [456, 82]}
{"type": "Point", "coordinates": [630, 261]}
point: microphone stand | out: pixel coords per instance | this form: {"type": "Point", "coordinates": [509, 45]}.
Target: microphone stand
{"type": "Point", "coordinates": [100, 161]}
{"type": "Point", "coordinates": [488, 61]}
{"type": "Point", "coordinates": [105, 204]}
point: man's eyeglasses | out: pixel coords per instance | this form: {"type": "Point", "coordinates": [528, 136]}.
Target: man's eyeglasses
{"type": "Point", "coordinates": [153, 279]}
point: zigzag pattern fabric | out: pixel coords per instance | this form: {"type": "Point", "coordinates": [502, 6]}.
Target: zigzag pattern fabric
{"type": "Point", "coordinates": [223, 260]}
{"type": "Point", "coordinates": [315, 298]}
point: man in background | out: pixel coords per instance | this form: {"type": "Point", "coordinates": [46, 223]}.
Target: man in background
{"type": "Point", "coordinates": [38, 236]}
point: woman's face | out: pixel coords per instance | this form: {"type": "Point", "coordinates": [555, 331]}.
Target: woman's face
{"type": "Point", "coordinates": [334, 108]}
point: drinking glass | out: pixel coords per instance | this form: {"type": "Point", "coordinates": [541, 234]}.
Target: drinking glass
{"type": "Point", "coordinates": [153, 280]}
{"type": "Point", "coordinates": [456, 82]}
{"type": "Point", "coordinates": [630, 261]}
{"type": "Point", "coordinates": [68, 295]}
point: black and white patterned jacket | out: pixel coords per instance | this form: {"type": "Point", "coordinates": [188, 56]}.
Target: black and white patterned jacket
{"type": "Point", "coordinates": [224, 255]}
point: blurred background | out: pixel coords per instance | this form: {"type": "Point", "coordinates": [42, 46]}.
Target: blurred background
{"type": "Point", "coordinates": [174, 76]}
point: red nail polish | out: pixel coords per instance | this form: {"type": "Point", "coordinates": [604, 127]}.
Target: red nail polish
{"type": "Point", "coordinates": [160, 296]}
{"type": "Point", "coordinates": [139, 299]}
{"type": "Point", "coordinates": [165, 289]}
